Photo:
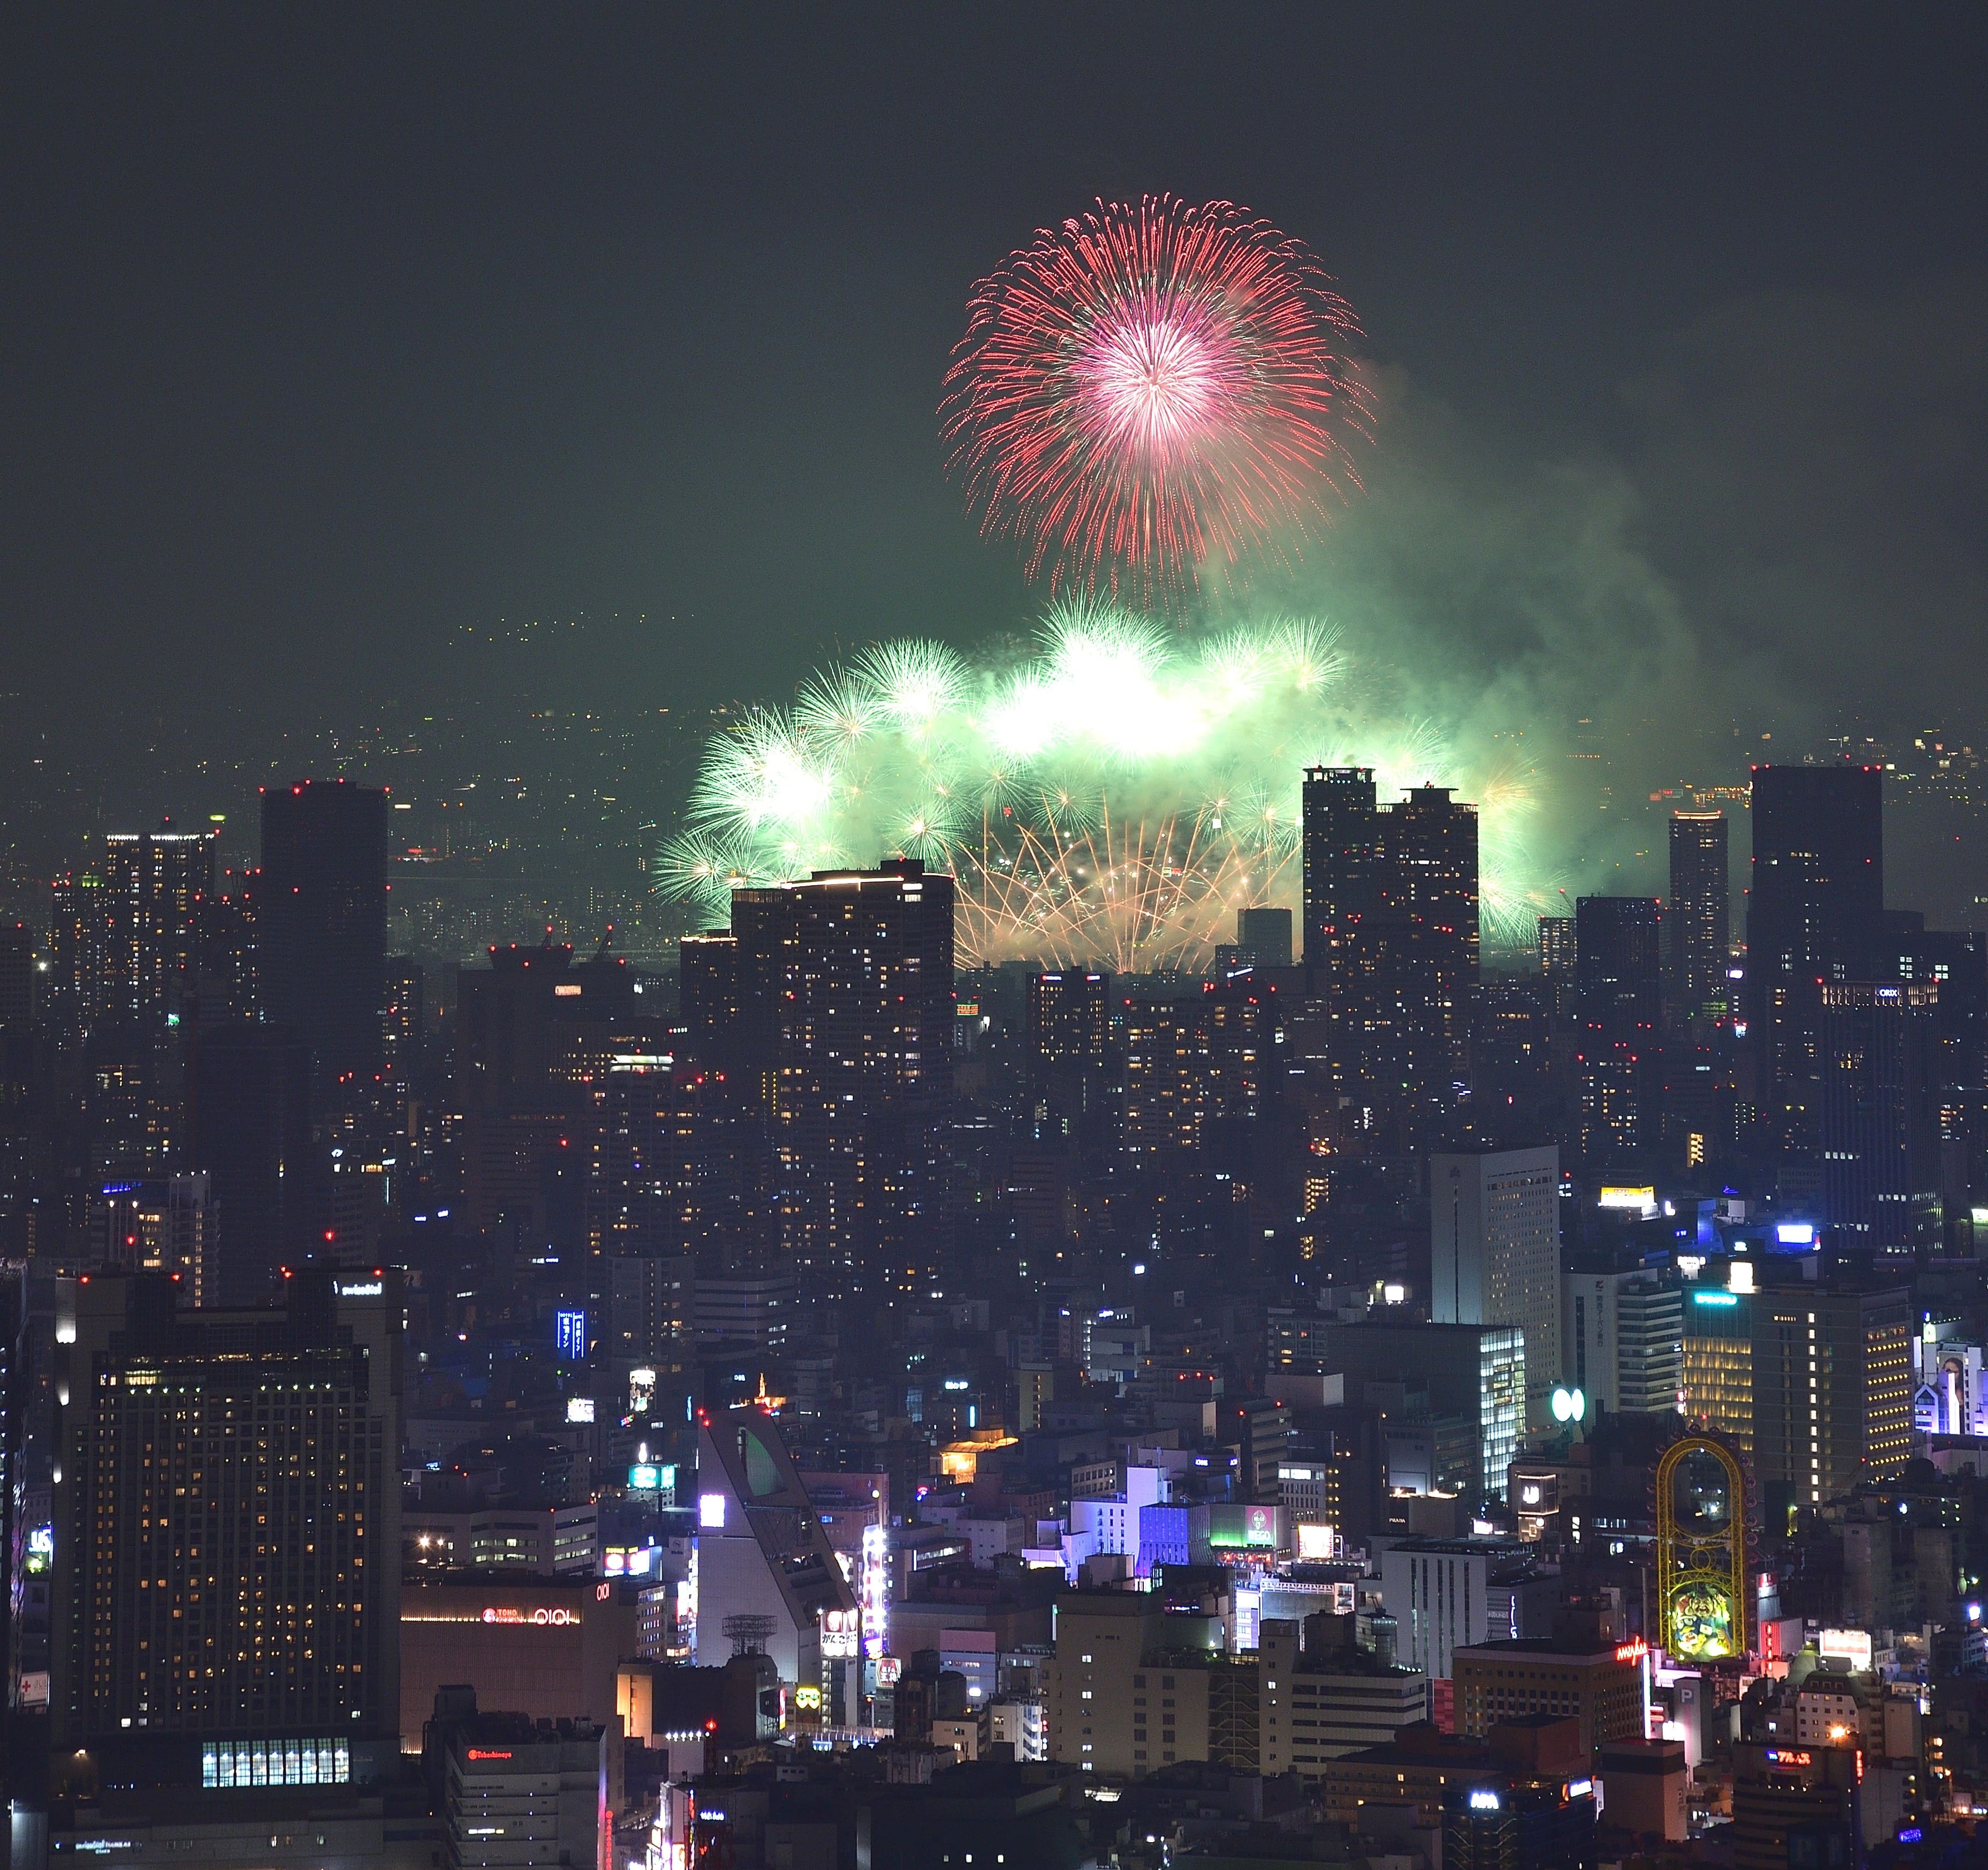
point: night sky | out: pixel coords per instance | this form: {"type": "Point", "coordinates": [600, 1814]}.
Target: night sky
{"type": "Point", "coordinates": [332, 338]}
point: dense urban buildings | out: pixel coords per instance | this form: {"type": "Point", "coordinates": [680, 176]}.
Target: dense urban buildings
{"type": "Point", "coordinates": [654, 1381]}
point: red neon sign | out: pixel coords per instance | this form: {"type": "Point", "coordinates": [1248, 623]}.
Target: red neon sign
{"type": "Point", "coordinates": [1631, 1652]}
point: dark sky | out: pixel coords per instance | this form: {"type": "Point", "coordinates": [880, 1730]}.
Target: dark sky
{"type": "Point", "coordinates": [330, 333]}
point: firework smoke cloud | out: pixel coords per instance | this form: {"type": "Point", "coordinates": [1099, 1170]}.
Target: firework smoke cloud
{"type": "Point", "coordinates": [1111, 798]}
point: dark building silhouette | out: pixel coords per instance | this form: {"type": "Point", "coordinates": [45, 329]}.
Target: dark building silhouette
{"type": "Point", "coordinates": [226, 1507]}
{"type": "Point", "coordinates": [321, 926]}
{"type": "Point", "coordinates": [250, 1108]}
{"type": "Point", "coordinates": [17, 976]}
{"type": "Point", "coordinates": [1696, 921]}
{"type": "Point", "coordinates": [1265, 933]}
{"type": "Point", "coordinates": [1880, 1116]}
{"type": "Point", "coordinates": [1815, 913]}
{"type": "Point", "coordinates": [831, 1000]}
{"type": "Point", "coordinates": [1618, 1004]}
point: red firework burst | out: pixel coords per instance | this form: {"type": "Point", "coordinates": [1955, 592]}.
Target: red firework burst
{"type": "Point", "coordinates": [1148, 388]}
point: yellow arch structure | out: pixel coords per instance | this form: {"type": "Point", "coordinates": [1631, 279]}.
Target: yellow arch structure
{"type": "Point", "coordinates": [1701, 1570]}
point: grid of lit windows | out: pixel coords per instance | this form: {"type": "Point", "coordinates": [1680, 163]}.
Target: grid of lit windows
{"type": "Point", "coordinates": [325, 1761]}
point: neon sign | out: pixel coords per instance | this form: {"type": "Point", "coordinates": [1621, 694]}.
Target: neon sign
{"type": "Point", "coordinates": [540, 1614]}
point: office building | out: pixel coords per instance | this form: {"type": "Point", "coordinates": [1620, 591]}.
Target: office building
{"type": "Point", "coordinates": [1131, 1690]}
{"type": "Point", "coordinates": [1879, 1109]}
{"type": "Point", "coordinates": [1955, 961]}
{"type": "Point", "coordinates": [1322, 1699]}
{"type": "Point", "coordinates": [1832, 1379]}
{"type": "Point", "coordinates": [1617, 1059]}
{"type": "Point", "coordinates": [251, 1138]}
{"type": "Point", "coordinates": [515, 1791]}
{"type": "Point", "coordinates": [1494, 1252]}
{"type": "Point", "coordinates": [1719, 1360]}
{"type": "Point", "coordinates": [321, 928]}
{"type": "Point", "coordinates": [1698, 938]}
{"type": "Point", "coordinates": [1622, 1339]}
{"type": "Point", "coordinates": [1789, 1797]}
{"type": "Point", "coordinates": [1643, 1783]}
{"type": "Point", "coordinates": [168, 1227]}
{"type": "Point", "coordinates": [834, 994]}
{"type": "Point", "coordinates": [767, 1574]}
{"type": "Point", "coordinates": [1814, 915]}
{"type": "Point", "coordinates": [1437, 1592]}
{"type": "Point", "coordinates": [227, 1507]}
{"type": "Point", "coordinates": [649, 1311]}
{"type": "Point", "coordinates": [1598, 1683]}
{"type": "Point", "coordinates": [542, 1646]}
{"type": "Point", "coordinates": [1266, 935]}
{"type": "Point", "coordinates": [1477, 1376]}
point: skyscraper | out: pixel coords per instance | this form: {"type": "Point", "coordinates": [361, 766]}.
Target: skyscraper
{"type": "Point", "coordinates": [1427, 878]}
{"type": "Point", "coordinates": [1391, 916]}
{"type": "Point", "coordinates": [1832, 1392]}
{"type": "Point", "coordinates": [836, 991]}
{"type": "Point", "coordinates": [1879, 1113]}
{"type": "Point", "coordinates": [1069, 1031]}
{"type": "Point", "coordinates": [156, 884]}
{"type": "Point", "coordinates": [227, 1507]}
{"type": "Point", "coordinates": [1695, 925]}
{"type": "Point", "coordinates": [1267, 933]}
{"type": "Point", "coordinates": [322, 926]}
{"type": "Point", "coordinates": [1815, 913]}
{"type": "Point", "coordinates": [1340, 839]}
{"type": "Point", "coordinates": [1494, 1252]}
{"type": "Point", "coordinates": [1618, 970]}
{"type": "Point", "coordinates": [1558, 955]}
{"type": "Point", "coordinates": [251, 1135]}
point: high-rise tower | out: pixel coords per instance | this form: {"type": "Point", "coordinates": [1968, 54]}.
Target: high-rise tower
{"type": "Point", "coordinates": [1695, 923]}
{"type": "Point", "coordinates": [838, 992]}
{"type": "Point", "coordinates": [227, 1513]}
{"type": "Point", "coordinates": [1618, 968]}
{"type": "Point", "coordinates": [1815, 913]}
{"type": "Point", "coordinates": [322, 925]}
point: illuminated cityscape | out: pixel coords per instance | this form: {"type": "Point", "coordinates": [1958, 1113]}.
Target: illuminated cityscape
{"type": "Point", "coordinates": [939, 937]}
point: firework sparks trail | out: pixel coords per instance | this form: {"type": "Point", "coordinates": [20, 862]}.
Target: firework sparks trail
{"type": "Point", "coordinates": [1114, 798]}
{"type": "Point", "coordinates": [1151, 387]}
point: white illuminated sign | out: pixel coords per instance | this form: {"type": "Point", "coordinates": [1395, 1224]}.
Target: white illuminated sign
{"type": "Point", "coordinates": [363, 1288]}
{"type": "Point", "coordinates": [711, 1511]}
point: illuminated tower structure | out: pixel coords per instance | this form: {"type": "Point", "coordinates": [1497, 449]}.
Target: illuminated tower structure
{"type": "Point", "coordinates": [1705, 1515]}
{"type": "Point", "coordinates": [1694, 983]}
{"type": "Point", "coordinates": [1815, 915]}
{"type": "Point", "coordinates": [225, 1599]}
{"type": "Point", "coordinates": [1617, 1061]}
{"type": "Point", "coordinates": [832, 995]}
{"type": "Point", "coordinates": [1719, 1361]}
